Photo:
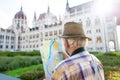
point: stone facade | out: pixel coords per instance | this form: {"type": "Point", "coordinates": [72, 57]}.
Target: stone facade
{"type": "Point", "coordinates": [102, 29]}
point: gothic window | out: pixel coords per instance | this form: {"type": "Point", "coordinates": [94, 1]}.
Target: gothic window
{"type": "Point", "coordinates": [1, 46]}
{"type": "Point", "coordinates": [80, 21]}
{"type": "Point", "coordinates": [55, 32]}
{"type": "Point", "coordinates": [18, 26]}
{"type": "Point", "coordinates": [33, 46]}
{"type": "Point", "coordinates": [21, 22]}
{"type": "Point", "coordinates": [12, 47]}
{"type": "Point", "coordinates": [50, 33]}
{"type": "Point", "coordinates": [41, 40]}
{"type": "Point", "coordinates": [88, 22]}
{"type": "Point", "coordinates": [0, 36]}
{"type": "Point", "coordinates": [46, 34]}
{"type": "Point", "coordinates": [98, 30]}
{"type": "Point", "coordinates": [60, 31]}
{"type": "Point", "coordinates": [33, 36]}
{"type": "Point", "coordinates": [89, 32]}
{"type": "Point", "coordinates": [99, 39]}
{"type": "Point", "coordinates": [30, 36]}
{"type": "Point", "coordinates": [111, 45]}
{"type": "Point", "coordinates": [6, 37]}
{"type": "Point", "coordinates": [97, 21]}
{"type": "Point", "coordinates": [6, 46]}
{"type": "Point", "coordinates": [18, 38]}
{"type": "Point", "coordinates": [46, 26]}
{"type": "Point", "coordinates": [18, 46]}
{"type": "Point", "coordinates": [3, 36]}
{"type": "Point", "coordinates": [37, 35]}
{"type": "Point", "coordinates": [21, 28]}
{"type": "Point", "coordinates": [37, 45]}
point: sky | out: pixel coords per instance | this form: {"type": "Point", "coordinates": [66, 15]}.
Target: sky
{"type": "Point", "coordinates": [8, 8]}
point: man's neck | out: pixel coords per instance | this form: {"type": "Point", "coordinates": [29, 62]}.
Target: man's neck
{"type": "Point", "coordinates": [78, 51]}
{"type": "Point", "coordinates": [72, 49]}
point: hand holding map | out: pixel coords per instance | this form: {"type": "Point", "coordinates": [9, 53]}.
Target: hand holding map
{"type": "Point", "coordinates": [50, 56]}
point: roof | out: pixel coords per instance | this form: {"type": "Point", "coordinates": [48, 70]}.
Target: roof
{"type": "Point", "coordinates": [45, 15]}
{"type": "Point", "coordinates": [42, 16]}
{"type": "Point", "coordinates": [20, 15]}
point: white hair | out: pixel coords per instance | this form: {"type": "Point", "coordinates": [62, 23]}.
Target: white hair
{"type": "Point", "coordinates": [73, 42]}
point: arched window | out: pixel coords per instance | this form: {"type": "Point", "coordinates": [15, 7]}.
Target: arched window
{"type": "Point", "coordinates": [99, 39]}
{"type": "Point", "coordinates": [80, 21]}
{"type": "Point", "coordinates": [88, 22]}
{"type": "Point", "coordinates": [55, 32]}
{"type": "Point", "coordinates": [111, 46]}
{"type": "Point", "coordinates": [50, 33]}
{"type": "Point", "coordinates": [97, 21]}
{"type": "Point", "coordinates": [46, 34]}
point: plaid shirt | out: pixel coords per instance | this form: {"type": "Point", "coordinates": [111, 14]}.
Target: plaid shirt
{"type": "Point", "coordinates": [82, 66]}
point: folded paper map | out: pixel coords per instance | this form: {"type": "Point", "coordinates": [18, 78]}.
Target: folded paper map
{"type": "Point", "coordinates": [50, 56]}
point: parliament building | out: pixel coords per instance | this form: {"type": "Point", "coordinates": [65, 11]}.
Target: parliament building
{"type": "Point", "coordinates": [104, 30]}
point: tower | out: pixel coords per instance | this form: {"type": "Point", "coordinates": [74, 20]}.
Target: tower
{"type": "Point", "coordinates": [48, 10]}
{"type": "Point", "coordinates": [19, 21]}
{"type": "Point", "coordinates": [19, 25]}
{"type": "Point", "coordinates": [67, 6]}
{"type": "Point", "coordinates": [67, 10]}
{"type": "Point", "coordinates": [34, 22]}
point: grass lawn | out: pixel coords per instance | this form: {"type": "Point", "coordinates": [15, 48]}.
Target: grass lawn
{"type": "Point", "coordinates": [18, 72]}
{"type": "Point", "coordinates": [111, 65]}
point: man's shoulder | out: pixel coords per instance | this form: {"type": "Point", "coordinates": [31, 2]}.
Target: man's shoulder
{"type": "Point", "coordinates": [65, 63]}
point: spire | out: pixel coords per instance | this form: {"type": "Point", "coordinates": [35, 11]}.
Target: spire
{"type": "Point", "coordinates": [48, 10]}
{"type": "Point", "coordinates": [34, 15]}
{"type": "Point", "coordinates": [67, 6]}
{"type": "Point", "coordinates": [34, 20]}
{"type": "Point", "coordinates": [21, 8]}
{"type": "Point", "coordinates": [59, 17]}
{"type": "Point", "coordinates": [67, 3]}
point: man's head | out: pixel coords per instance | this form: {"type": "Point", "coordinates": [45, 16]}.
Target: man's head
{"type": "Point", "coordinates": [74, 36]}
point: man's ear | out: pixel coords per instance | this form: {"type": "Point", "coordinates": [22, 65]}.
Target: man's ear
{"type": "Point", "coordinates": [66, 44]}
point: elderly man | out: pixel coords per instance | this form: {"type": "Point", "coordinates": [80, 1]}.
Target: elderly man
{"type": "Point", "coordinates": [80, 65]}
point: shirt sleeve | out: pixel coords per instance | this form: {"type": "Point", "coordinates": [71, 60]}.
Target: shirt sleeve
{"type": "Point", "coordinates": [57, 74]}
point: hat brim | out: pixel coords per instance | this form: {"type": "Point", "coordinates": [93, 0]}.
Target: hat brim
{"type": "Point", "coordinates": [77, 36]}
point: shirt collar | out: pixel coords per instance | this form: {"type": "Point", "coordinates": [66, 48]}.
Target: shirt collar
{"type": "Point", "coordinates": [78, 51]}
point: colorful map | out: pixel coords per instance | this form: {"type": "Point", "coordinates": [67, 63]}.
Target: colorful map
{"type": "Point", "coordinates": [50, 56]}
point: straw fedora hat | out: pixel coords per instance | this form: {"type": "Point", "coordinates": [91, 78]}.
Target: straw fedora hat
{"type": "Point", "coordinates": [72, 30]}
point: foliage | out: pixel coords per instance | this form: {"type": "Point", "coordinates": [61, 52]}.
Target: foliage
{"type": "Point", "coordinates": [37, 74]}
{"type": "Point", "coordinates": [33, 75]}
{"type": "Point", "coordinates": [22, 53]}
{"type": "Point", "coordinates": [110, 61]}
{"type": "Point", "coordinates": [113, 53]}
{"type": "Point", "coordinates": [112, 75]}
{"type": "Point", "coordinates": [20, 71]}
{"type": "Point", "coordinates": [111, 64]}
{"type": "Point", "coordinates": [10, 63]}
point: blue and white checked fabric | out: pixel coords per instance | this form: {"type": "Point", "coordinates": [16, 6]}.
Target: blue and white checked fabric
{"type": "Point", "coordinates": [82, 66]}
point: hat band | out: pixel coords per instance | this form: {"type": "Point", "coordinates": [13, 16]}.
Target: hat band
{"type": "Point", "coordinates": [81, 35]}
